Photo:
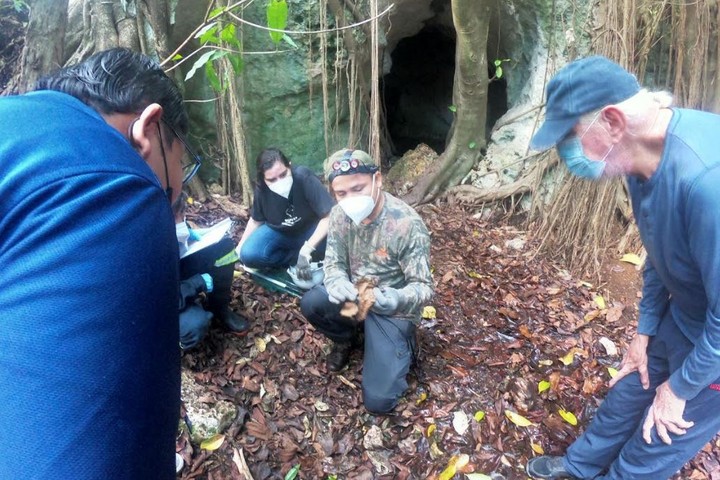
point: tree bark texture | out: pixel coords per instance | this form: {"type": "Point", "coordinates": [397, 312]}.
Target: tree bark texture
{"type": "Point", "coordinates": [43, 51]}
{"type": "Point", "coordinates": [471, 19]}
{"type": "Point", "coordinates": [140, 25]}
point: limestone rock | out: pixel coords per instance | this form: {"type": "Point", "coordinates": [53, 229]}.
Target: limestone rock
{"type": "Point", "coordinates": [409, 169]}
{"type": "Point", "coordinates": [206, 419]}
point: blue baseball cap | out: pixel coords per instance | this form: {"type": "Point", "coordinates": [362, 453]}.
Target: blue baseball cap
{"type": "Point", "coordinates": [578, 88]}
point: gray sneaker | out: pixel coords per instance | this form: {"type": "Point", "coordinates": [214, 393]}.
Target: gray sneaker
{"type": "Point", "coordinates": [547, 467]}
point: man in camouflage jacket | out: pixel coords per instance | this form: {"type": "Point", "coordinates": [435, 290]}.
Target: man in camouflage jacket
{"type": "Point", "coordinates": [372, 236]}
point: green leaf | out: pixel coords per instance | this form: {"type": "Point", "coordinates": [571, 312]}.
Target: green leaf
{"type": "Point", "coordinates": [210, 27]}
{"type": "Point", "coordinates": [497, 62]}
{"type": "Point", "coordinates": [214, 13]}
{"type": "Point", "coordinates": [472, 145]}
{"type": "Point", "coordinates": [293, 472]}
{"type": "Point", "coordinates": [227, 34]}
{"type": "Point", "coordinates": [177, 57]}
{"type": "Point", "coordinates": [498, 72]}
{"type": "Point", "coordinates": [289, 41]}
{"type": "Point", "coordinates": [218, 54]}
{"type": "Point", "coordinates": [199, 63]}
{"type": "Point", "coordinates": [277, 15]}
{"type": "Point", "coordinates": [212, 77]}
{"type": "Point", "coordinates": [237, 63]}
{"type": "Point", "coordinates": [452, 108]}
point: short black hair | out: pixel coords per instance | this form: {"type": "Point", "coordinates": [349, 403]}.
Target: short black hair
{"type": "Point", "coordinates": [266, 159]}
{"type": "Point", "coordinates": [120, 81]}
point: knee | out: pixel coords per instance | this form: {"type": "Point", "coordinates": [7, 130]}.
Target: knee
{"type": "Point", "coordinates": [311, 300]}
{"type": "Point", "coordinates": [249, 256]}
{"type": "Point", "coordinates": [379, 404]}
{"type": "Point", "coordinates": [194, 325]}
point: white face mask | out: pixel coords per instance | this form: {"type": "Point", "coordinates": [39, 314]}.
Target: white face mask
{"type": "Point", "coordinates": [359, 207]}
{"type": "Point", "coordinates": [282, 186]}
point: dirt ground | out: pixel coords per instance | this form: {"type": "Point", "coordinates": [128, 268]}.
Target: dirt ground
{"type": "Point", "coordinates": [506, 320]}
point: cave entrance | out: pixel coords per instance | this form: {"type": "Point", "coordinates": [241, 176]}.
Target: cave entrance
{"type": "Point", "coordinates": [417, 92]}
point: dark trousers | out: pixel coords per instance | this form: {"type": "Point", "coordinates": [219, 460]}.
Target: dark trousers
{"type": "Point", "coordinates": [614, 442]}
{"type": "Point", "coordinates": [203, 261]}
{"type": "Point", "coordinates": [194, 319]}
{"type": "Point", "coordinates": [389, 347]}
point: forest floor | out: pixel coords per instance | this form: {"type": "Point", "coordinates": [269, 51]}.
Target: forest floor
{"type": "Point", "coordinates": [506, 320]}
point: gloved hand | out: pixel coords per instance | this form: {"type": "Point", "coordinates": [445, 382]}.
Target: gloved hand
{"type": "Point", "coordinates": [191, 287]}
{"type": "Point", "coordinates": [387, 300]}
{"type": "Point", "coordinates": [342, 291]}
{"type": "Point", "coordinates": [302, 267]}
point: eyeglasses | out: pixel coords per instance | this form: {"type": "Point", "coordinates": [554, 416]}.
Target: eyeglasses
{"type": "Point", "coordinates": [193, 165]}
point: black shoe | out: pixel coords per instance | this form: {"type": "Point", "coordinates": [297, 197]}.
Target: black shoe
{"type": "Point", "coordinates": [339, 356]}
{"type": "Point", "coordinates": [237, 324]}
{"type": "Point", "coordinates": [547, 467]}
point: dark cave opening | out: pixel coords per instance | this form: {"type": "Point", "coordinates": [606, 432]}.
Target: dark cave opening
{"type": "Point", "coordinates": [417, 92]}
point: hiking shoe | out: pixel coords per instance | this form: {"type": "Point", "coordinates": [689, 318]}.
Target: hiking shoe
{"type": "Point", "coordinates": [339, 356]}
{"type": "Point", "coordinates": [547, 467]}
{"type": "Point", "coordinates": [235, 323]}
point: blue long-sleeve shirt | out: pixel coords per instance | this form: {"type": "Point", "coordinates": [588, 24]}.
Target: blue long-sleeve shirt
{"type": "Point", "coordinates": [89, 355]}
{"type": "Point", "coordinates": [677, 212]}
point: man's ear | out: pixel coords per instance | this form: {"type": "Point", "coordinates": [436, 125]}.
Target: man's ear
{"type": "Point", "coordinates": [378, 180]}
{"type": "Point", "coordinates": [614, 120]}
{"type": "Point", "coordinates": [145, 128]}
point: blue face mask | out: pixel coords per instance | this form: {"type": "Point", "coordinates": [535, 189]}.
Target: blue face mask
{"type": "Point", "coordinates": [571, 151]}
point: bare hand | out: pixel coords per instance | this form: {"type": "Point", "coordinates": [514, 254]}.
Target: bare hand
{"type": "Point", "coordinates": [635, 360]}
{"type": "Point", "coordinates": [665, 414]}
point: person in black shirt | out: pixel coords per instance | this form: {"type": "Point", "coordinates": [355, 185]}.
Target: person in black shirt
{"type": "Point", "coordinates": [289, 216]}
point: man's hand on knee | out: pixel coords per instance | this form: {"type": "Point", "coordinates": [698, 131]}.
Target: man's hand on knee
{"type": "Point", "coordinates": [666, 415]}
{"type": "Point", "coordinates": [635, 360]}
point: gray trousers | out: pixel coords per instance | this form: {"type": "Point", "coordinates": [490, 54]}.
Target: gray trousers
{"type": "Point", "coordinates": [612, 448]}
{"type": "Point", "coordinates": [389, 347]}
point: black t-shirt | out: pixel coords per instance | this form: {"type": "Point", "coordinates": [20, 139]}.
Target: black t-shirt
{"type": "Point", "coordinates": [308, 202]}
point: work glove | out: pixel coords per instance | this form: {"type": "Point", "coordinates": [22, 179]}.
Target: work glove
{"type": "Point", "coordinates": [342, 291]}
{"type": "Point", "coordinates": [387, 300]}
{"type": "Point", "coordinates": [302, 267]}
{"type": "Point", "coordinates": [192, 287]}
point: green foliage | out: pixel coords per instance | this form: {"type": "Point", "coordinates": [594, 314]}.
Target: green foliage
{"type": "Point", "coordinates": [17, 5]}
{"type": "Point", "coordinates": [498, 67]}
{"type": "Point", "coordinates": [277, 16]}
{"type": "Point", "coordinates": [293, 472]}
{"type": "Point", "coordinates": [222, 43]}
{"type": "Point", "coordinates": [452, 108]}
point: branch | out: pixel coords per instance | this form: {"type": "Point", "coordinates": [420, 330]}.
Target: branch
{"type": "Point", "coordinates": [313, 32]}
{"type": "Point", "coordinates": [200, 27]}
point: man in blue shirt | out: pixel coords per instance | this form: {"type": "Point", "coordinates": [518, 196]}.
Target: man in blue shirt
{"type": "Point", "coordinates": [89, 354]}
{"type": "Point", "coordinates": [662, 407]}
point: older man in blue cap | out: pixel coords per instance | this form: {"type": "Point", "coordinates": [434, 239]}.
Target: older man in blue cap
{"type": "Point", "coordinates": [662, 406]}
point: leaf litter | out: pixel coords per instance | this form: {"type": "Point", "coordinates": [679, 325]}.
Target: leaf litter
{"type": "Point", "coordinates": [502, 320]}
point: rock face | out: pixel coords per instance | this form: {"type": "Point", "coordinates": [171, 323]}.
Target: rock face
{"type": "Point", "coordinates": [283, 84]}
{"type": "Point", "coordinates": [206, 419]}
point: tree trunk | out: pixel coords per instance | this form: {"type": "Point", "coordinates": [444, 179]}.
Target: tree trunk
{"type": "Point", "coordinates": [471, 19]}
{"type": "Point", "coordinates": [138, 25]}
{"type": "Point", "coordinates": [43, 50]}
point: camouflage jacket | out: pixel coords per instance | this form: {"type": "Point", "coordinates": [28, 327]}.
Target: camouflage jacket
{"type": "Point", "coordinates": [394, 248]}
